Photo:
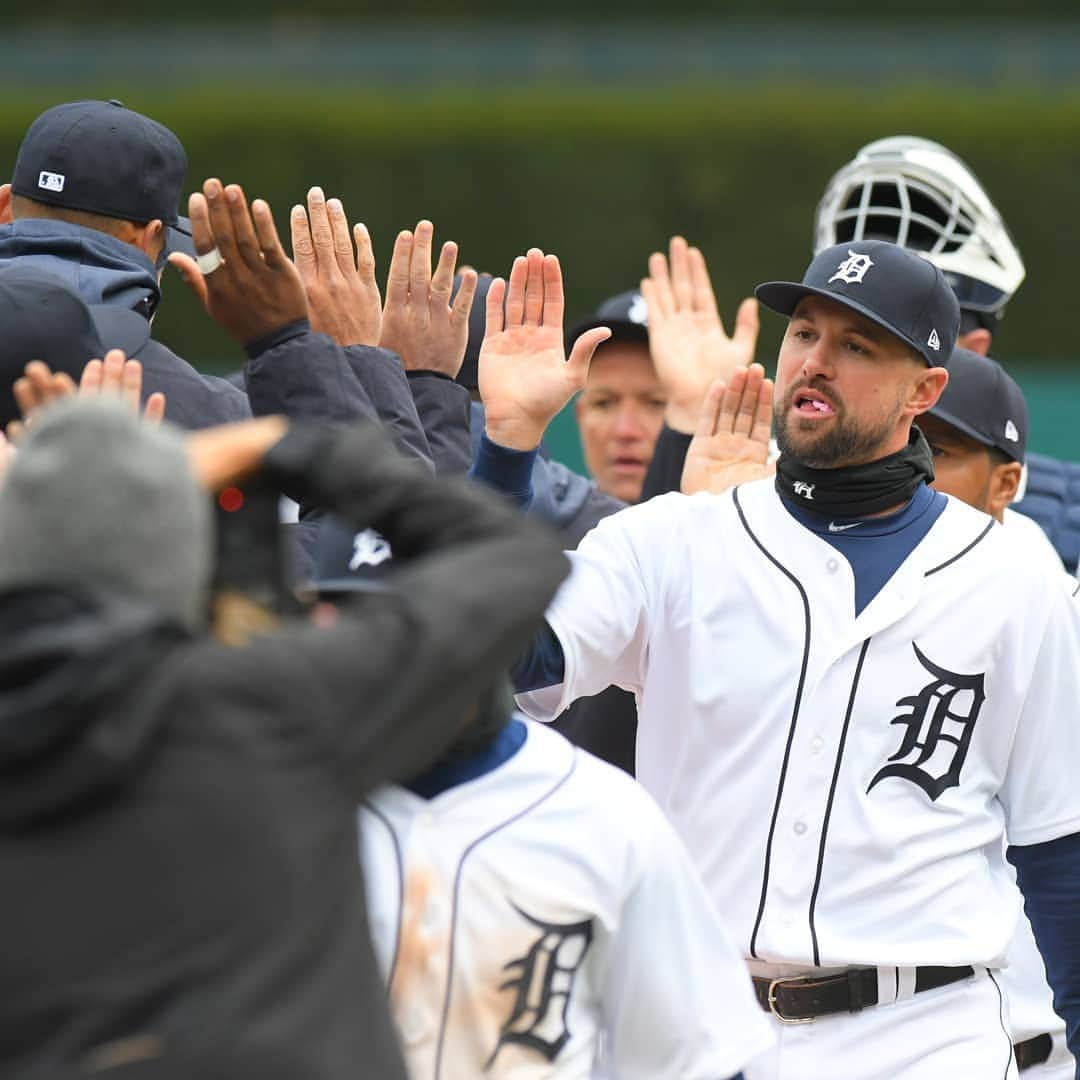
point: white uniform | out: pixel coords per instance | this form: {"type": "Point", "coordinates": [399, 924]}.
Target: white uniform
{"type": "Point", "coordinates": [841, 781]}
{"type": "Point", "coordinates": [543, 920]}
{"type": "Point", "coordinates": [1031, 1008]}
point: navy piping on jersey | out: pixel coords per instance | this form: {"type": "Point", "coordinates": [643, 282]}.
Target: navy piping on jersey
{"type": "Point", "coordinates": [401, 887]}
{"type": "Point", "coordinates": [1001, 1021]}
{"type": "Point", "coordinates": [960, 554]}
{"type": "Point", "coordinates": [881, 544]}
{"type": "Point", "coordinates": [457, 885]}
{"type": "Point", "coordinates": [829, 803]}
{"type": "Point", "coordinates": [794, 716]}
{"type": "Point", "coordinates": [1076, 590]}
{"type": "Point", "coordinates": [444, 775]}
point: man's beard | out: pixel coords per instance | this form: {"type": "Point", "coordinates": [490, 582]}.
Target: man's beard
{"type": "Point", "coordinates": [846, 441]}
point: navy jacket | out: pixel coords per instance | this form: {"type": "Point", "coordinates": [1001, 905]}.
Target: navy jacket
{"type": "Point", "coordinates": [119, 284]}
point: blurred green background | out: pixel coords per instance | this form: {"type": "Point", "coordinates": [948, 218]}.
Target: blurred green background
{"type": "Point", "coordinates": [597, 132]}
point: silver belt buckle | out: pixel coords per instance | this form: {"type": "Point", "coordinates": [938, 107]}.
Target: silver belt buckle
{"type": "Point", "coordinates": [772, 1002]}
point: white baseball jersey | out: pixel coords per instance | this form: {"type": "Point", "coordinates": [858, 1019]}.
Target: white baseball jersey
{"type": "Point", "coordinates": [841, 781]}
{"type": "Point", "coordinates": [543, 920]}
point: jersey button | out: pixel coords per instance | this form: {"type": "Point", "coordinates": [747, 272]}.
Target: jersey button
{"type": "Point", "coordinates": [799, 827]}
{"type": "Point", "coordinates": [832, 566]}
{"type": "Point", "coordinates": [816, 744]}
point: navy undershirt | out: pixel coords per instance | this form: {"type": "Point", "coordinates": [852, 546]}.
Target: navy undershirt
{"type": "Point", "coordinates": [894, 537]}
{"type": "Point", "coordinates": [1049, 878]}
{"type": "Point", "coordinates": [447, 774]}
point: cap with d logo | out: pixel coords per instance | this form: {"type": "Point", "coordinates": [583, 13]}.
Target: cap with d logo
{"type": "Point", "coordinates": [101, 158]}
{"type": "Point", "coordinates": [889, 285]}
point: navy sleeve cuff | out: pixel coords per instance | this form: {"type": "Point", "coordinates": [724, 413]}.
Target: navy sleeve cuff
{"type": "Point", "coordinates": [276, 337]}
{"type": "Point", "coordinates": [505, 470]}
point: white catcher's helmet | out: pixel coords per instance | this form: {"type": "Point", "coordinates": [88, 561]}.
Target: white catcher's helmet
{"type": "Point", "coordinates": [921, 196]}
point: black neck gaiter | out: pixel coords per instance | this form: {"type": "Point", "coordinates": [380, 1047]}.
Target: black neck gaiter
{"type": "Point", "coordinates": [857, 490]}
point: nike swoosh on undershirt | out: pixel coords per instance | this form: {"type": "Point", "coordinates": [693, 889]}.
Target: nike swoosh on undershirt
{"type": "Point", "coordinates": [834, 528]}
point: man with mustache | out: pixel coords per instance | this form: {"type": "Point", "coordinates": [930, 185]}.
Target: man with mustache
{"type": "Point", "coordinates": [849, 687]}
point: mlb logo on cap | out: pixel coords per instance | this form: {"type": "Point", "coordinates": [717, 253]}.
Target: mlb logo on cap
{"type": "Point", "coordinates": [51, 181]}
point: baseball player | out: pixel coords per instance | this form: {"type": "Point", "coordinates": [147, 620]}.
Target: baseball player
{"type": "Point", "coordinates": [844, 699]}
{"type": "Point", "coordinates": [534, 915]}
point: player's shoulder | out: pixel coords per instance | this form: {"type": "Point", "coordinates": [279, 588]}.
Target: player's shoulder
{"type": "Point", "coordinates": [600, 790]}
{"type": "Point", "coordinates": [972, 543]}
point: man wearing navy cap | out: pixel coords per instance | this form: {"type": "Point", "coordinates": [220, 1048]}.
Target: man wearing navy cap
{"type": "Point", "coordinates": [94, 199]}
{"type": "Point", "coordinates": [849, 687]}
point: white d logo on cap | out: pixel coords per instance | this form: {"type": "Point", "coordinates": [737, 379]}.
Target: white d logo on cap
{"type": "Point", "coordinates": [852, 269]}
{"type": "Point", "coordinates": [1010, 432]}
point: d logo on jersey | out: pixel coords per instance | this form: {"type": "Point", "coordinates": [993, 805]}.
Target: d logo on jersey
{"type": "Point", "coordinates": [939, 727]}
{"type": "Point", "coordinates": [543, 981]}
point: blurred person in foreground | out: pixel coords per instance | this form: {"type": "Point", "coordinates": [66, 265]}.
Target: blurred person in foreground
{"type": "Point", "coordinates": [178, 815]}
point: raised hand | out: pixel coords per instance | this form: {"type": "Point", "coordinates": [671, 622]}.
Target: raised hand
{"type": "Point", "coordinates": [689, 346]}
{"type": "Point", "coordinates": [254, 288]}
{"type": "Point", "coordinates": [731, 445]}
{"type": "Point", "coordinates": [231, 453]}
{"type": "Point", "coordinates": [525, 377]}
{"type": "Point", "coordinates": [419, 321]}
{"type": "Point", "coordinates": [342, 294]}
{"type": "Point", "coordinates": [115, 376]}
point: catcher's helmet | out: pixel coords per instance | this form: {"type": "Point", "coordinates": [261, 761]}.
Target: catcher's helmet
{"type": "Point", "coordinates": [921, 196]}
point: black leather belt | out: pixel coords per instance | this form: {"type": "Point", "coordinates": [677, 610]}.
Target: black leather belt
{"type": "Point", "coordinates": [1033, 1051]}
{"type": "Point", "coordinates": [804, 998]}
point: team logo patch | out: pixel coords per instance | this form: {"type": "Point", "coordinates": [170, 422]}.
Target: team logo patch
{"type": "Point", "coordinates": [543, 980]}
{"type": "Point", "coordinates": [639, 310]}
{"type": "Point", "coordinates": [1010, 432]}
{"type": "Point", "coordinates": [369, 549]}
{"type": "Point", "coordinates": [852, 269]}
{"type": "Point", "coordinates": [801, 487]}
{"type": "Point", "coordinates": [933, 340]}
{"type": "Point", "coordinates": [938, 727]}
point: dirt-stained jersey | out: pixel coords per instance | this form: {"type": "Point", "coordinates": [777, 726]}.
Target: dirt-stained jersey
{"type": "Point", "coordinates": [543, 920]}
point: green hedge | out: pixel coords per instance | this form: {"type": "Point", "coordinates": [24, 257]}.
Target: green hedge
{"type": "Point", "coordinates": [602, 178]}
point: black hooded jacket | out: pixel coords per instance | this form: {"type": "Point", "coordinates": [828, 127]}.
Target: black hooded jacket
{"type": "Point", "coordinates": [178, 845]}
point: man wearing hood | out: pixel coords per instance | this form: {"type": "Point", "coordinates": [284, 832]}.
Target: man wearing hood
{"type": "Point", "coordinates": [178, 817]}
{"type": "Point", "coordinates": [94, 200]}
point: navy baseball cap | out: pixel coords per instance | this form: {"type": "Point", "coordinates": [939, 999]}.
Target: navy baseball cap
{"type": "Point", "coordinates": [102, 158]}
{"type": "Point", "coordinates": [626, 314]}
{"type": "Point", "coordinates": [42, 320]}
{"type": "Point", "coordinates": [985, 403]}
{"type": "Point", "coordinates": [897, 289]}
{"type": "Point", "coordinates": [348, 561]}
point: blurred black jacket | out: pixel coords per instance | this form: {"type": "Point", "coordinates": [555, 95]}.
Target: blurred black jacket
{"type": "Point", "coordinates": [178, 845]}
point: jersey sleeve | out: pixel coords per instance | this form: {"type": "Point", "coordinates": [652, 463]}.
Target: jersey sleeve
{"type": "Point", "coordinates": [1040, 795]}
{"type": "Point", "coordinates": [676, 994]}
{"type": "Point", "coordinates": [601, 615]}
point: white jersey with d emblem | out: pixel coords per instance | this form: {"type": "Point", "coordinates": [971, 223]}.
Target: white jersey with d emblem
{"type": "Point", "coordinates": [543, 920]}
{"type": "Point", "coordinates": [842, 782]}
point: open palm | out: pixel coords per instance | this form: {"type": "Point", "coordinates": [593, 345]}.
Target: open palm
{"type": "Point", "coordinates": [525, 377]}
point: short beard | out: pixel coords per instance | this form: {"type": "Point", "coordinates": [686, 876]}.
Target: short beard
{"type": "Point", "coordinates": [847, 442]}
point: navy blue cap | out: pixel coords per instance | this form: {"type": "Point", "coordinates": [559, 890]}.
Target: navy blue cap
{"type": "Point", "coordinates": [985, 403]}
{"type": "Point", "coordinates": [897, 289]}
{"type": "Point", "coordinates": [42, 320]}
{"type": "Point", "coordinates": [347, 561]}
{"type": "Point", "coordinates": [102, 158]}
{"type": "Point", "coordinates": [626, 314]}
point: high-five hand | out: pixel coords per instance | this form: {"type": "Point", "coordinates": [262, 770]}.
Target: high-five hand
{"type": "Point", "coordinates": [731, 445]}
{"type": "Point", "coordinates": [525, 377]}
{"type": "Point", "coordinates": [687, 340]}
